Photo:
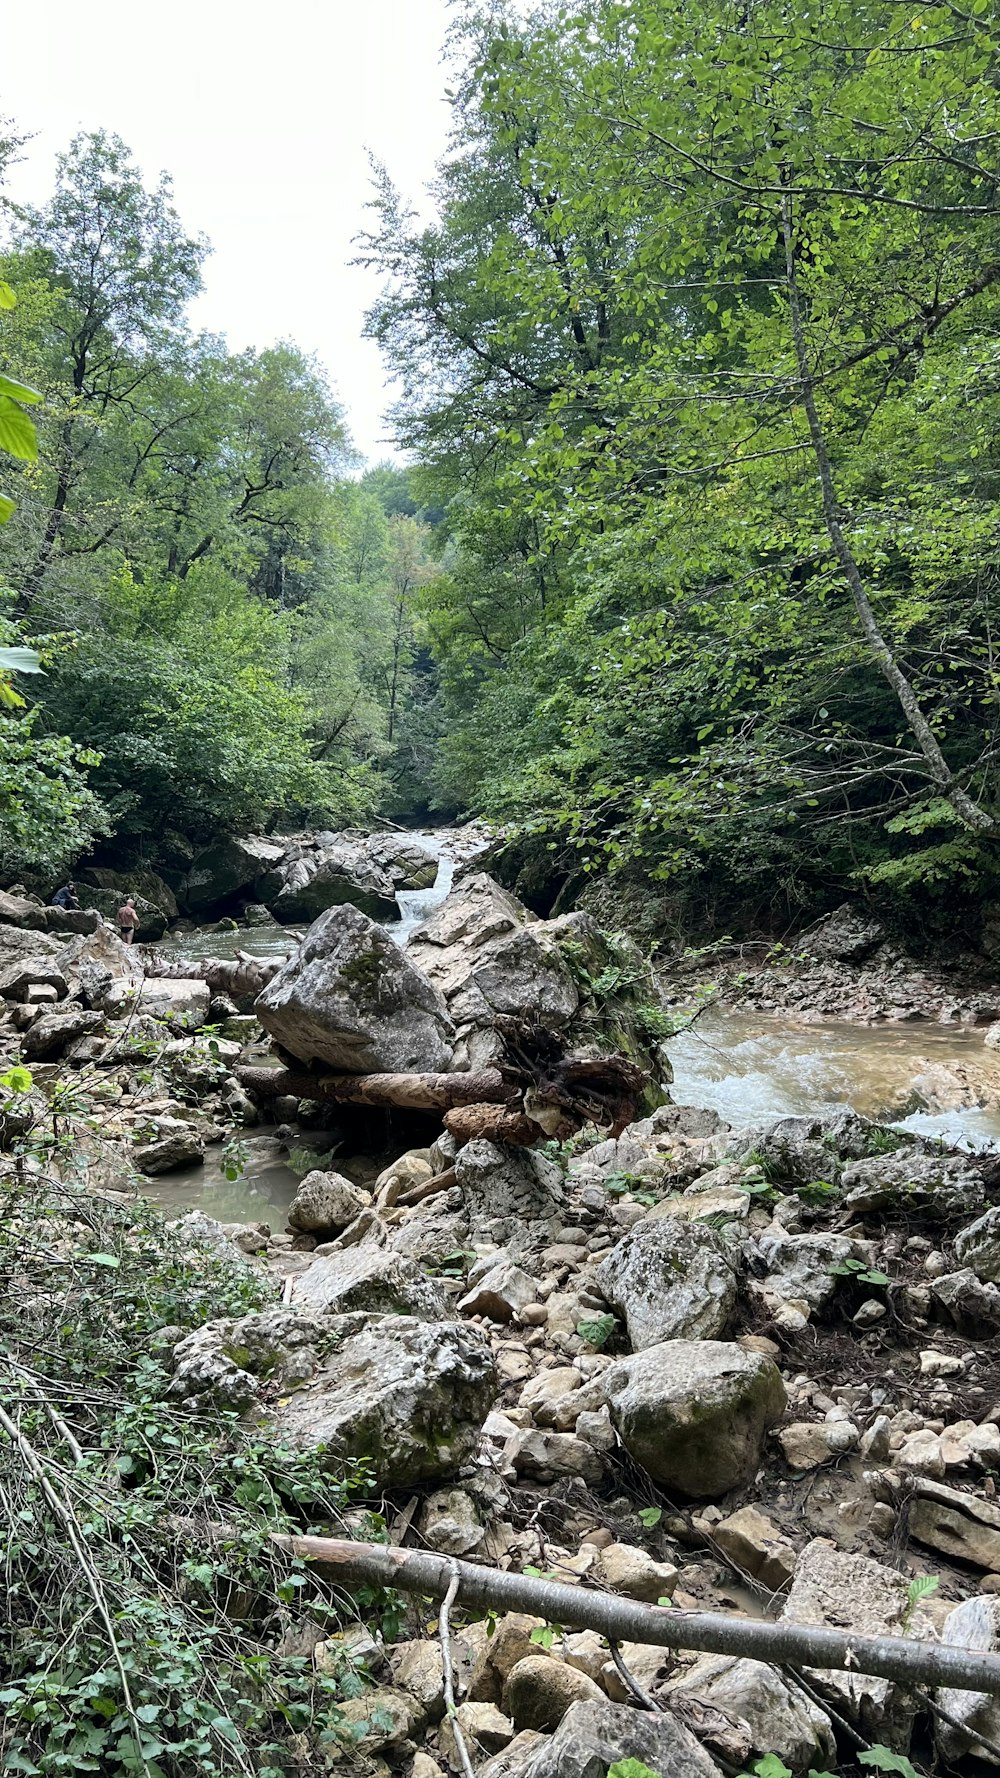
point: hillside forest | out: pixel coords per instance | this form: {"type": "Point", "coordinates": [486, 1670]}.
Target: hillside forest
{"type": "Point", "coordinates": [688, 580]}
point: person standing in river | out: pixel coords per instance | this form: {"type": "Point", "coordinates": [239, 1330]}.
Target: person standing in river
{"type": "Point", "coordinates": [128, 919]}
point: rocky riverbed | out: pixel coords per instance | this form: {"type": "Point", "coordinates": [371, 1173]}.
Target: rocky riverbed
{"type": "Point", "coordinates": [744, 1364]}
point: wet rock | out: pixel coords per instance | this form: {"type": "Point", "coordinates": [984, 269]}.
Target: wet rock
{"type": "Point", "coordinates": [806, 1266]}
{"type": "Point", "coordinates": [978, 1246]}
{"type": "Point", "coordinates": [226, 869]}
{"type": "Point", "coordinates": [851, 1592]}
{"type": "Point", "coordinates": [371, 1279]}
{"type": "Point", "coordinates": [350, 998]}
{"type": "Point", "coordinates": [694, 1412]}
{"type": "Point", "coordinates": [781, 1720]}
{"type": "Point", "coordinates": [406, 1398]}
{"type": "Point", "coordinates": [973, 1624]}
{"type": "Point", "coordinates": [406, 861]}
{"type": "Point", "coordinates": [593, 1735]}
{"type": "Point", "coordinates": [324, 1204]}
{"type": "Point", "coordinates": [539, 1691]}
{"type": "Point", "coordinates": [670, 1281]}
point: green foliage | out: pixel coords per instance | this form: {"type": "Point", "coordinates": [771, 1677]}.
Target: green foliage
{"type": "Point", "coordinates": [631, 1768]}
{"type": "Point", "coordinates": [859, 1271]}
{"type": "Point", "coordinates": [649, 656]}
{"type": "Point", "coordinates": [882, 1759]}
{"type": "Point", "coordinates": [597, 1331]}
{"type": "Point", "coordinates": [145, 1601]}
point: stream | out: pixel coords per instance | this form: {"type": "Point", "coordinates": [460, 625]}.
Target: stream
{"type": "Point", "coordinates": [748, 1067]}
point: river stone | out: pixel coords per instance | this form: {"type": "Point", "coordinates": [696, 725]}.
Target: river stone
{"type": "Point", "coordinates": [694, 1412]}
{"type": "Point", "coordinates": [781, 1720]}
{"type": "Point", "coordinates": [973, 1624]}
{"type": "Point", "coordinates": [800, 1150]}
{"type": "Point", "coordinates": [802, 1266]}
{"type": "Point", "coordinates": [407, 1398]}
{"type": "Point", "coordinates": [226, 869]}
{"type": "Point", "coordinates": [350, 998]}
{"type": "Point", "coordinates": [507, 1189]}
{"type": "Point", "coordinates": [848, 935]}
{"type": "Point", "coordinates": [846, 1591]}
{"type": "Point", "coordinates": [337, 874]}
{"type": "Point", "coordinates": [324, 1203]}
{"type": "Point", "coordinates": [367, 1278]}
{"type": "Point", "coordinates": [671, 1281]}
{"type": "Point", "coordinates": [943, 1183]}
{"type": "Point", "coordinates": [174, 1144]}
{"type": "Point", "coordinates": [978, 1246]}
{"type": "Point", "coordinates": [594, 1734]}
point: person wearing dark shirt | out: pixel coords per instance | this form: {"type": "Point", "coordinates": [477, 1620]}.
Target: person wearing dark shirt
{"type": "Point", "coordinates": [65, 897]}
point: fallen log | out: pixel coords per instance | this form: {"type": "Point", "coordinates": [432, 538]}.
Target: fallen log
{"type": "Point", "coordinates": [412, 1092]}
{"type": "Point", "coordinates": [903, 1658]}
{"type": "Point", "coordinates": [499, 1123]}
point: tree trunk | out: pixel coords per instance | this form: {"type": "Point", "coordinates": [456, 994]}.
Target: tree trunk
{"type": "Point", "coordinates": [412, 1092]}
{"type": "Point", "coordinates": [903, 1658]}
{"type": "Point", "coordinates": [967, 810]}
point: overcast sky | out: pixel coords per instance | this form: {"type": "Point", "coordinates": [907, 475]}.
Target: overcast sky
{"type": "Point", "coordinates": [264, 115]}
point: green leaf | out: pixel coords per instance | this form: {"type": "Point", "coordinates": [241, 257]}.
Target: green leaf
{"type": "Point", "coordinates": [650, 1516]}
{"type": "Point", "coordinates": [7, 298]}
{"type": "Point", "coordinates": [882, 1759]}
{"type": "Point", "coordinates": [105, 1259]}
{"type": "Point", "coordinates": [20, 660]}
{"type": "Point", "coordinates": [631, 1768]}
{"type": "Point", "coordinates": [19, 391]}
{"type": "Point", "coordinates": [921, 1586]}
{"type": "Point", "coordinates": [771, 1767]}
{"type": "Point", "coordinates": [17, 434]}
{"type": "Point", "coordinates": [7, 508]}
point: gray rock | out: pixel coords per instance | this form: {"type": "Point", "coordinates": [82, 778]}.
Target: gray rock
{"type": "Point", "coordinates": [450, 1523]}
{"type": "Point", "coordinates": [152, 922]}
{"type": "Point", "coordinates": [506, 1188]}
{"type": "Point", "coordinates": [959, 1525]}
{"type": "Point", "coordinates": [972, 1306]}
{"type": "Point", "coordinates": [349, 997]}
{"type": "Point", "coordinates": [944, 1183]}
{"type": "Point", "coordinates": [499, 1293]}
{"type": "Point", "coordinates": [99, 967]}
{"type": "Point", "coordinates": [539, 1691]}
{"type": "Point", "coordinates": [694, 1412]}
{"type": "Point", "coordinates": [671, 1281]}
{"type": "Point", "coordinates": [224, 870]}
{"type": "Point", "coordinates": [50, 1034]}
{"type": "Point", "coordinates": [973, 1624]}
{"type": "Point", "coordinates": [19, 910]}
{"type": "Point", "coordinates": [324, 1204]}
{"type": "Point", "coordinates": [336, 875]}
{"type": "Point", "coordinates": [848, 935]}
{"type": "Point", "coordinates": [368, 1278]}
{"type": "Point", "coordinates": [592, 1736]}
{"type": "Point", "coordinates": [978, 1246]}
{"type": "Point", "coordinates": [24, 973]}
{"type": "Point", "coordinates": [803, 1265]}
{"type": "Point", "coordinates": [174, 1144]}
{"type": "Point", "coordinates": [799, 1150]}
{"type": "Point", "coordinates": [140, 882]}
{"type": "Point", "coordinates": [845, 1590]}
{"type": "Point", "coordinates": [407, 1398]}
{"type": "Point", "coordinates": [184, 1000]}
{"type": "Point", "coordinates": [406, 862]}
{"type": "Point", "coordinates": [781, 1721]}
{"type": "Point", "coordinates": [229, 1362]}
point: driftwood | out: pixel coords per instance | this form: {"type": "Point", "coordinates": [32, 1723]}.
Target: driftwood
{"type": "Point", "coordinates": [902, 1658]}
{"type": "Point", "coordinates": [412, 1092]}
{"type": "Point", "coordinates": [242, 977]}
{"type": "Point", "coordinates": [428, 1188]}
{"type": "Point", "coordinates": [498, 1124]}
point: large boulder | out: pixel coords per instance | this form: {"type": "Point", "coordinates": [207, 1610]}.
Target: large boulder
{"type": "Point", "coordinates": [671, 1280]}
{"type": "Point", "coordinates": [225, 870]}
{"type": "Point", "coordinates": [368, 1278]}
{"type": "Point", "coordinates": [848, 935]}
{"type": "Point", "coordinates": [324, 1203]}
{"type": "Point", "coordinates": [106, 902]}
{"type": "Point", "coordinates": [486, 956]}
{"type": "Point", "coordinates": [593, 1736]}
{"type": "Point", "coordinates": [694, 1412]}
{"type": "Point", "coordinates": [801, 1150]}
{"type": "Point", "coordinates": [506, 1189]}
{"type": "Point", "coordinates": [101, 970]}
{"type": "Point", "coordinates": [810, 1268]}
{"type": "Point", "coordinates": [350, 998]}
{"type": "Point", "coordinates": [311, 879]}
{"type": "Point", "coordinates": [19, 910]}
{"type": "Point", "coordinates": [140, 882]}
{"type": "Point", "coordinates": [49, 1036]}
{"type": "Point", "coordinates": [973, 1624]}
{"type": "Point", "coordinates": [943, 1184]}
{"type": "Point", "coordinates": [781, 1719]}
{"type": "Point", "coordinates": [407, 1398]}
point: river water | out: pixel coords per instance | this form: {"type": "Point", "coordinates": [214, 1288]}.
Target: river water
{"type": "Point", "coordinates": [935, 1080]}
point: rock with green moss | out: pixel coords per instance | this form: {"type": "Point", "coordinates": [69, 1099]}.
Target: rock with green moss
{"type": "Point", "coordinates": [671, 1280]}
{"type": "Point", "coordinates": [349, 997]}
{"type": "Point", "coordinates": [694, 1413]}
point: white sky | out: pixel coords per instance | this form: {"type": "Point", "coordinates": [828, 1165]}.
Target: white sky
{"type": "Point", "coordinates": [264, 116]}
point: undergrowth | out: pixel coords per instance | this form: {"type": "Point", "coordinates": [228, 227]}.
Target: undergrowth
{"type": "Point", "coordinates": [145, 1601]}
